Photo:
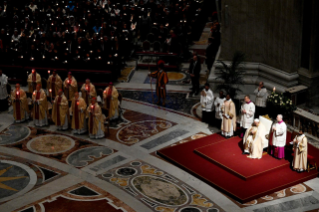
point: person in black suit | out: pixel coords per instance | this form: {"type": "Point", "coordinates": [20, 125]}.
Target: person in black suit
{"type": "Point", "coordinates": [194, 72]}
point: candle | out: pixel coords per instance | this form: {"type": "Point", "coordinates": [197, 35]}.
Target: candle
{"type": "Point", "coordinates": [274, 89]}
{"type": "Point", "coordinates": [43, 56]}
{"type": "Point", "coordinates": [48, 71]}
{"type": "Point", "coordinates": [91, 51]}
{"type": "Point", "coordinates": [32, 58]}
{"type": "Point", "coordinates": [92, 106]}
{"type": "Point", "coordinates": [21, 56]}
{"type": "Point", "coordinates": [68, 81]}
{"type": "Point", "coordinates": [33, 71]}
{"type": "Point", "coordinates": [86, 88]}
{"type": "Point", "coordinates": [34, 93]}
{"type": "Point", "coordinates": [56, 57]}
{"type": "Point", "coordinates": [50, 90]}
{"type": "Point", "coordinates": [18, 93]}
{"type": "Point", "coordinates": [77, 102]}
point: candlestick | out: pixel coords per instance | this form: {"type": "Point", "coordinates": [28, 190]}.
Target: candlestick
{"type": "Point", "coordinates": [50, 90]}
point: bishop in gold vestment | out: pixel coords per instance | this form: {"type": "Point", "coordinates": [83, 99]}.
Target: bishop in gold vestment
{"type": "Point", "coordinates": [70, 86]}
{"type": "Point", "coordinates": [54, 84]}
{"type": "Point", "coordinates": [78, 111]}
{"type": "Point", "coordinates": [40, 107]}
{"type": "Point", "coordinates": [60, 111]}
{"type": "Point", "coordinates": [229, 117]}
{"type": "Point", "coordinates": [33, 80]}
{"type": "Point", "coordinates": [300, 152]}
{"type": "Point", "coordinates": [111, 101]}
{"type": "Point", "coordinates": [88, 91]}
{"type": "Point", "coordinates": [20, 105]}
{"type": "Point", "coordinates": [96, 120]}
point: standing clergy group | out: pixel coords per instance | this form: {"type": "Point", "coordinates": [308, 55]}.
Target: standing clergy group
{"type": "Point", "coordinates": [82, 112]}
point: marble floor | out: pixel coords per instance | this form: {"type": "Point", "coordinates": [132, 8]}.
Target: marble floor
{"type": "Point", "coordinates": [42, 169]}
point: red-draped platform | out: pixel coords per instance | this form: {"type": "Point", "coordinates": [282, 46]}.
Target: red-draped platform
{"type": "Point", "coordinates": [220, 163]}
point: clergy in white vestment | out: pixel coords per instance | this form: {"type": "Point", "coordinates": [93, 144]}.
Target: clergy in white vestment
{"type": "Point", "coordinates": [218, 102]}
{"type": "Point", "coordinates": [229, 117]}
{"type": "Point", "coordinates": [3, 92]}
{"type": "Point", "coordinates": [261, 100]}
{"type": "Point", "coordinates": [300, 147]}
{"type": "Point", "coordinates": [247, 114]}
{"type": "Point", "coordinates": [206, 101]}
{"type": "Point", "coordinates": [253, 143]}
{"type": "Point", "coordinates": [260, 135]}
{"type": "Point", "coordinates": [279, 138]}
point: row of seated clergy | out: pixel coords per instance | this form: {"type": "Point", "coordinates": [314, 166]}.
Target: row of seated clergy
{"type": "Point", "coordinates": [61, 112]}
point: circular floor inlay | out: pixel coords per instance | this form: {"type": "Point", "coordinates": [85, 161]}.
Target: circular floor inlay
{"type": "Point", "coordinates": [50, 144]}
{"type": "Point", "coordinates": [14, 134]}
{"type": "Point", "coordinates": [107, 175]}
{"type": "Point", "coordinates": [126, 171]}
{"type": "Point", "coordinates": [136, 163]}
{"type": "Point", "coordinates": [189, 209]}
{"type": "Point", "coordinates": [15, 179]}
{"type": "Point", "coordinates": [175, 76]}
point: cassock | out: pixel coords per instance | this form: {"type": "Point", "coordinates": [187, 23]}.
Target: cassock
{"type": "Point", "coordinates": [279, 140]}
{"type": "Point", "coordinates": [111, 102]}
{"type": "Point", "coordinates": [40, 108]}
{"type": "Point", "coordinates": [161, 82]}
{"type": "Point", "coordinates": [300, 153]}
{"type": "Point", "coordinates": [20, 105]}
{"type": "Point", "coordinates": [78, 111]}
{"type": "Point", "coordinates": [229, 118]}
{"type": "Point", "coordinates": [55, 84]}
{"type": "Point", "coordinates": [207, 105]}
{"type": "Point", "coordinates": [3, 92]}
{"type": "Point", "coordinates": [253, 142]}
{"type": "Point", "coordinates": [60, 111]}
{"type": "Point", "coordinates": [73, 87]}
{"type": "Point", "coordinates": [33, 80]}
{"type": "Point", "coordinates": [261, 101]}
{"type": "Point", "coordinates": [96, 121]}
{"type": "Point", "coordinates": [88, 91]}
{"type": "Point", "coordinates": [247, 118]}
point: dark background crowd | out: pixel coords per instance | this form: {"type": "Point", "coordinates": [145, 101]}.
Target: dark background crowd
{"type": "Point", "coordinates": [93, 34]}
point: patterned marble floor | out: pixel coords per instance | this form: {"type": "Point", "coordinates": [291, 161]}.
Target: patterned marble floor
{"type": "Point", "coordinates": [45, 170]}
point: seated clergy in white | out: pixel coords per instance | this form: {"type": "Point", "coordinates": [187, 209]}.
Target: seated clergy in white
{"type": "Point", "coordinates": [300, 147]}
{"type": "Point", "coordinates": [60, 111]}
{"type": "Point", "coordinates": [253, 143]}
{"type": "Point", "coordinates": [247, 114]}
{"type": "Point", "coordinates": [207, 100]}
{"type": "Point", "coordinates": [279, 138]}
{"type": "Point", "coordinates": [40, 107]}
{"type": "Point", "coordinates": [260, 133]}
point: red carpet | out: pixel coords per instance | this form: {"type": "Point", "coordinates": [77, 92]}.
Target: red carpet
{"type": "Point", "coordinates": [217, 176]}
{"type": "Point", "coordinates": [228, 155]}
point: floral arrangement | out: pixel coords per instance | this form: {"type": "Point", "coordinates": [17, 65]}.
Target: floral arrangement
{"type": "Point", "coordinates": [282, 101]}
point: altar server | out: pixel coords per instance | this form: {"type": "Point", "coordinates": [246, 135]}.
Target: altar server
{"type": "Point", "coordinates": [229, 117]}
{"type": "Point", "coordinates": [19, 104]}
{"type": "Point", "coordinates": [54, 84]}
{"type": "Point", "coordinates": [96, 120]}
{"type": "Point", "coordinates": [40, 107]}
{"type": "Point", "coordinates": [247, 114]}
{"type": "Point", "coordinates": [111, 101]}
{"type": "Point", "coordinates": [261, 99]}
{"type": "Point", "coordinates": [206, 101]}
{"type": "Point", "coordinates": [78, 111]}
{"type": "Point", "coordinates": [161, 81]}
{"type": "Point", "coordinates": [3, 92]}
{"type": "Point", "coordinates": [260, 134]}
{"type": "Point", "coordinates": [300, 147]}
{"type": "Point", "coordinates": [33, 80]}
{"type": "Point", "coordinates": [70, 86]}
{"type": "Point", "coordinates": [279, 138]}
{"type": "Point", "coordinates": [253, 143]}
{"type": "Point", "coordinates": [88, 91]}
{"type": "Point", "coordinates": [60, 111]}
{"type": "Point", "coordinates": [218, 102]}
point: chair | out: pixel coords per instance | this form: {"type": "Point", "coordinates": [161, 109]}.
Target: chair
{"type": "Point", "coordinates": [151, 37]}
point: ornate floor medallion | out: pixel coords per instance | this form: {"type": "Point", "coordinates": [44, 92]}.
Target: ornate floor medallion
{"type": "Point", "coordinates": [14, 134]}
{"type": "Point", "coordinates": [50, 144]}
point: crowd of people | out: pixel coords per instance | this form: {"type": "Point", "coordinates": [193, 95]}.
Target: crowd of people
{"type": "Point", "coordinates": [221, 112]}
{"type": "Point", "coordinates": [95, 34]}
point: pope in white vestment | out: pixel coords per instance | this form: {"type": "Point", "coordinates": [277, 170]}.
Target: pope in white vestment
{"type": "Point", "coordinates": [259, 140]}
{"type": "Point", "coordinates": [279, 138]}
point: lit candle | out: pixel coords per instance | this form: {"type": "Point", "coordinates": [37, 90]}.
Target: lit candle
{"type": "Point", "coordinates": [49, 71]}
{"type": "Point", "coordinates": [32, 58]}
{"type": "Point", "coordinates": [33, 71]}
{"type": "Point", "coordinates": [56, 57]}
{"type": "Point", "coordinates": [274, 89]}
{"type": "Point", "coordinates": [88, 58]}
{"type": "Point", "coordinates": [43, 56]}
{"type": "Point", "coordinates": [68, 81]}
{"type": "Point", "coordinates": [86, 88]}
{"type": "Point", "coordinates": [115, 55]}
{"type": "Point", "coordinates": [18, 93]}
{"type": "Point", "coordinates": [66, 61]}
{"type": "Point", "coordinates": [91, 51]}
{"type": "Point", "coordinates": [99, 57]}
{"type": "Point", "coordinates": [21, 56]}
{"type": "Point", "coordinates": [50, 90]}
{"type": "Point", "coordinates": [77, 102]}
{"type": "Point", "coordinates": [64, 42]}
{"type": "Point", "coordinates": [34, 93]}
{"type": "Point", "coordinates": [92, 106]}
